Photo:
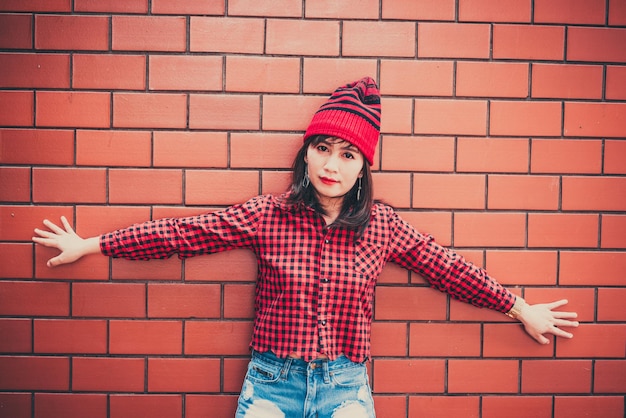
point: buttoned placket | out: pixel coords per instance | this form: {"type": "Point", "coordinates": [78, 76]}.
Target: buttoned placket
{"type": "Point", "coordinates": [324, 288]}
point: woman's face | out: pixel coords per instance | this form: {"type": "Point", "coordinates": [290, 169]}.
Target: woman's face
{"type": "Point", "coordinates": [334, 165]}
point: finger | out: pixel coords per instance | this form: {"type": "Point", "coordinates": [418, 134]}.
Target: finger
{"type": "Point", "coordinates": [55, 261]}
{"type": "Point", "coordinates": [541, 339]}
{"type": "Point", "coordinates": [569, 315]}
{"type": "Point", "coordinates": [557, 304]}
{"type": "Point", "coordinates": [46, 242]}
{"type": "Point", "coordinates": [564, 323]}
{"type": "Point", "coordinates": [42, 233]}
{"type": "Point", "coordinates": [66, 225]}
{"type": "Point", "coordinates": [53, 227]}
{"type": "Point", "coordinates": [560, 333]}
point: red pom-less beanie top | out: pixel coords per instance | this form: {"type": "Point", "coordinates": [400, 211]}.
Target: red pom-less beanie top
{"type": "Point", "coordinates": [352, 113]}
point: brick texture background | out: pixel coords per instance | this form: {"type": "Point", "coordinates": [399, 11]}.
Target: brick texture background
{"type": "Point", "coordinates": [503, 135]}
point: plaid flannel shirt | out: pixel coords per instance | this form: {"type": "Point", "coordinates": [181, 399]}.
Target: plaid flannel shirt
{"type": "Point", "coordinates": [315, 284]}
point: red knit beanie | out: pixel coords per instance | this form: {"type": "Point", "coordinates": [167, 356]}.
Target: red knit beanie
{"type": "Point", "coordinates": [352, 113]}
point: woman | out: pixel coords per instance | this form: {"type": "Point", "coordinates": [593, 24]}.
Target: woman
{"type": "Point", "coordinates": [320, 248]}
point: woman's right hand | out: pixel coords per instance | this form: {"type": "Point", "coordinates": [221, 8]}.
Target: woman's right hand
{"type": "Point", "coordinates": [72, 246]}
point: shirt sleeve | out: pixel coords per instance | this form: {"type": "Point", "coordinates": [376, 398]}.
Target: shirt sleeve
{"type": "Point", "coordinates": [234, 227]}
{"type": "Point", "coordinates": [444, 269]}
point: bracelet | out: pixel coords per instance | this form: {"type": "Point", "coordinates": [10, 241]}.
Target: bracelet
{"type": "Point", "coordinates": [516, 310]}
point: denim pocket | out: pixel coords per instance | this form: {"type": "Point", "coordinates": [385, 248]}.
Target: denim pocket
{"type": "Point", "coordinates": [259, 372]}
{"type": "Point", "coordinates": [349, 377]}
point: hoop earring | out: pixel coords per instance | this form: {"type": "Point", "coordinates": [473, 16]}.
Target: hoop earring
{"type": "Point", "coordinates": [306, 181]}
{"type": "Point", "coordinates": [358, 191]}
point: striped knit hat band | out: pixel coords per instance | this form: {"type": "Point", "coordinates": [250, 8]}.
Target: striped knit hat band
{"type": "Point", "coordinates": [352, 113]}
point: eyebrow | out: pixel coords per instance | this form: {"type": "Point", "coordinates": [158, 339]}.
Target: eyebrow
{"type": "Point", "coordinates": [350, 147]}
{"type": "Point", "coordinates": [344, 144]}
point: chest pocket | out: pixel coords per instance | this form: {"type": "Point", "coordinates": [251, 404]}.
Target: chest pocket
{"type": "Point", "coordinates": [369, 258]}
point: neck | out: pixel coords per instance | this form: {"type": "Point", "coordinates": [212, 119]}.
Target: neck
{"type": "Point", "coordinates": [332, 209]}
{"type": "Point", "coordinates": [330, 218]}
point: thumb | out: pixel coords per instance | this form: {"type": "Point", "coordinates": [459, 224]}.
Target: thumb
{"type": "Point", "coordinates": [55, 261]}
{"type": "Point", "coordinates": [542, 340]}
{"type": "Point", "coordinates": [539, 337]}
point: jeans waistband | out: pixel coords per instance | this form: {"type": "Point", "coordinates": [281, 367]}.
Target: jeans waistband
{"type": "Point", "coordinates": [299, 364]}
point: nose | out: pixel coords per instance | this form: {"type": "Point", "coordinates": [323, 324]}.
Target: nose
{"type": "Point", "coordinates": [332, 163]}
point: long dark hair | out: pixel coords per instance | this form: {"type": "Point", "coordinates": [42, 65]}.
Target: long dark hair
{"type": "Point", "coordinates": [355, 213]}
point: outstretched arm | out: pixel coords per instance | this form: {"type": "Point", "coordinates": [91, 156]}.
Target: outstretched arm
{"type": "Point", "coordinates": [72, 246]}
{"type": "Point", "coordinates": [450, 273]}
{"type": "Point", "coordinates": [542, 318]}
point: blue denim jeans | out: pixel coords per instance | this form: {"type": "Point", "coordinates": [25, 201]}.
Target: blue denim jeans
{"type": "Point", "coordinates": [275, 388]}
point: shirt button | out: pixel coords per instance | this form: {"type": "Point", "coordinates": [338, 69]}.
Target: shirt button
{"type": "Point", "coordinates": [325, 280]}
{"type": "Point", "coordinates": [323, 322]}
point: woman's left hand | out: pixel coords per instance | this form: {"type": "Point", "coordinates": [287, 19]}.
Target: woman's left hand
{"type": "Point", "coordinates": [542, 318]}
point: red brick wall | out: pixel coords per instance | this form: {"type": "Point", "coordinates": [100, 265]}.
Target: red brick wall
{"type": "Point", "coordinates": [502, 135]}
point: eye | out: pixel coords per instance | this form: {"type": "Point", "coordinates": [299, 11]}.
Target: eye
{"type": "Point", "coordinates": [322, 148]}
{"type": "Point", "coordinates": [349, 155]}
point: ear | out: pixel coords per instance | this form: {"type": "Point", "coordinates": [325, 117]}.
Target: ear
{"type": "Point", "coordinates": [360, 175]}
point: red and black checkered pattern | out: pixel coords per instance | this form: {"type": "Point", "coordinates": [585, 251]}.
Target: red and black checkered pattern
{"type": "Point", "coordinates": [315, 284]}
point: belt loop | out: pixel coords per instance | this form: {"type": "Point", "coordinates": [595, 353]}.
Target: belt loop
{"type": "Point", "coordinates": [284, 372]}
{"type": "Point", "coordinates": [326, 372]}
